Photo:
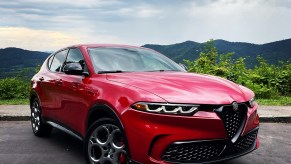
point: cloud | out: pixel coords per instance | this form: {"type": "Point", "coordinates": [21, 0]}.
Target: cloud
{"type": "Point", "coordinates": [258, 21]}
{"type": "Point", "coordinates": [140, 12]}
{"type": "Point", "coordinates": [140, 22]}
{"type": "Point", "coordinates": [48, 40]}
{"type": "Point", "coordinates": [34, 39]}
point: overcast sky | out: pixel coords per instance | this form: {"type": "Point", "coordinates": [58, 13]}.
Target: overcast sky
{"type": "Point", "coordinates": [52, 24]}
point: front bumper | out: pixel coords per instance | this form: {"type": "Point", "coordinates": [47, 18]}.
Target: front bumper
{"type": "Point", "coordinates": [153, 137]}
{"type": "Point", "coordinates": [210, 151]}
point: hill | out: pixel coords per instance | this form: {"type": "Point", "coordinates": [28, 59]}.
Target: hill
{"type": "Point", "coordinates": [13, 60]}
{"type": "Point", "coordinates": [273, 52]}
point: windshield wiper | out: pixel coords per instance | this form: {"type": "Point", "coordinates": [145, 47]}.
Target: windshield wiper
{"type": "Point", "coordinates": [161, 70]}
{"type": "Point", "coordinates": [113, 71]}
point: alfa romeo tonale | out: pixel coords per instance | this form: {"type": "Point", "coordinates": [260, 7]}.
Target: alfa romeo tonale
{"type": "Point", "coordinates": [133, 104]}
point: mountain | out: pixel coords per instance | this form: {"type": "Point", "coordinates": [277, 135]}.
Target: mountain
{"type": "Point", "coordinates": [13, 60]}
{"type": "Point", "coordinates": [273, 52]}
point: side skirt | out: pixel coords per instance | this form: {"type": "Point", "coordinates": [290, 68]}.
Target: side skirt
{"type": "Point", "coordinates": [55, 125]}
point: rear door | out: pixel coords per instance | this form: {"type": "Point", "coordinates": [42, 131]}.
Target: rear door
{"type": "Point", "coordinates": [49, 81]}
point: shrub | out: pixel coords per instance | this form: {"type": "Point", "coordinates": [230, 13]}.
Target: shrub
{"type": "Point", "coordinates": [14, 87]}
{"type": "Point", "coordinates": [267, 81]}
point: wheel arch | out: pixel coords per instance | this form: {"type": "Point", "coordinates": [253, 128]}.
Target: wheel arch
{"type": "Point", "coordinates": [33, 95]}
{"type": "Point", "coordinates": [99, 111]}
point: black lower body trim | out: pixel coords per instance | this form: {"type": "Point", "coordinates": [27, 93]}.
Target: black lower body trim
{"type": "Point", "coordinates": [63, 128]}
{"type": "Point", "coordinates": [210, 151]}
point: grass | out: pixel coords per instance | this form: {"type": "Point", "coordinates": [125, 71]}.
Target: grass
{"type": "Point", "coordinates": [14, 102]}
{"type": "Point", "coordinates": [281, 101]}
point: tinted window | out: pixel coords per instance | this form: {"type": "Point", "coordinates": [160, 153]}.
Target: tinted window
{"type": "Point", "coordinates": [58, 61]}
{"type": "Point", "coordinates": [76, 56]}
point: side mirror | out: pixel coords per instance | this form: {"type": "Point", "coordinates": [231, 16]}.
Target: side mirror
{"type": "Point", "coordinates": [183, 66]}
{"type": "Point", "coordinates": [73, 69]}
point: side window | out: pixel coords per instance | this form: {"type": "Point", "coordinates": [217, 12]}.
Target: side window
{"type": "Point", "coordinates": [58, 61]}
{"type": "Point", "coordinates": [49, 63]}
{"type": "Point", "coordinates": [76, 56]}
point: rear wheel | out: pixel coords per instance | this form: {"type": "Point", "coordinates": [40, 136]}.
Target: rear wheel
{"type": "Point", "coordinates": [39, 128]}
{"type": "Point", "coordinates": [105, 143]}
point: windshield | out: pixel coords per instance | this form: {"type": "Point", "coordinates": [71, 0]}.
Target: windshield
{"type": "Point", "coordinates": [130, 60]}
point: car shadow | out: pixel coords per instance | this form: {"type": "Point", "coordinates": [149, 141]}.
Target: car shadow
{"type": "Point", "coordinates": [68, 145]}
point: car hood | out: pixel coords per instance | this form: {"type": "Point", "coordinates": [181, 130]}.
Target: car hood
{"type": "Point", "coordinates": [183, 87]}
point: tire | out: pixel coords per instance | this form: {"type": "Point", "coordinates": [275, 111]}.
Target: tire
{"type": "Point", "coordinates": [106, 143]}
{"type": "Point", "coordinates": [39, 128]}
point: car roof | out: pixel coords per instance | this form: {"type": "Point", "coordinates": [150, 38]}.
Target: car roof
{"type": "Point", "coordinates": [103, 45]}
{"type": "Point", "coordinates": [85, 46]}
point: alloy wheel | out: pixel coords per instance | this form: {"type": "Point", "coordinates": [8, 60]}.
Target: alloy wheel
{"type": "Point", "coordinates": [35, 116]}
{"type": "Point", "coordinates": [106, 145]}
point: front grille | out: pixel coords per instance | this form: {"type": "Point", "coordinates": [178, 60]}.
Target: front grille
{"type": "Point", "coordinates": [196, 151]}
{"type": "Point", "coordinates": [206, 151]}
{"type": "Point", "coordinates": [246, 142]}
{"type": "Point", "coordinates": [233, 120]}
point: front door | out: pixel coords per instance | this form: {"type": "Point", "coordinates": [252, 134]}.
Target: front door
{"type": "Point", "coordinates": [74, 97]}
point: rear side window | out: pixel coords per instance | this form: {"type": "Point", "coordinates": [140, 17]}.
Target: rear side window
{"type": "Point", "coordinates": [58, 61]}
{"type": "Point", "coordinates": [49, 63]}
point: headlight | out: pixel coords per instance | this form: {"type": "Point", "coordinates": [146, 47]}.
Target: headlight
{"type": "Point", "coordinates": [164, 108]}
{"type": "Point", "coordinates": [252, 102]}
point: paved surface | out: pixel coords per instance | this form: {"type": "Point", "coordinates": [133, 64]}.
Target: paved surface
{"type": "Point", "coordinates": [266, 113]}
{"type": "Point", "coordinates": [275, 113]}
{"type": "Point", "coordinates": [20, 112]}
{"type": "Point", "coordinates": [19, 146]}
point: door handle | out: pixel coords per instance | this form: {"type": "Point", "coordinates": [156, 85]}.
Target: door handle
{"type": "Point", "coordinates": [75, 85]}
{"type": "Point", "coordinates": [59, 82]}
{"type": "Point", "coordinates": [41, 79]}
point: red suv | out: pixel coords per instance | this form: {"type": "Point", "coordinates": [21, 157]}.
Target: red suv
{"type": "Point", "coordinates": [132, 104]}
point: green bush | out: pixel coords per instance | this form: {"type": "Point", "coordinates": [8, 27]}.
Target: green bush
{"type": "Point", "coordinates": [14, 87]}
{"type": "Point", "coordinates": [267, 81]}
{"type": "Point", "coordinates": [17, 87]}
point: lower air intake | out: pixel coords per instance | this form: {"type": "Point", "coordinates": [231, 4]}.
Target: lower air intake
{"type": "Point", "coordinates": [208, 151]}
{"type": "Point", "coordinates": [196, 151]}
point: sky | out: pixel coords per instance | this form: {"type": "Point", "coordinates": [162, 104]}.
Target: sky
{"type": "Point", "coordinates": [48, 25]}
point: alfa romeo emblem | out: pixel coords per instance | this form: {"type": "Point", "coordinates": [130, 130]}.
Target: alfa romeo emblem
{"type": "Point", "coordinates": [235, 106]}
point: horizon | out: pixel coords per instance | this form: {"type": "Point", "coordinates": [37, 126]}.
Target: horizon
{"type": "Point", "coordinates": [50, 51]}
{"type": "Point", "coordinates": [45, 25]}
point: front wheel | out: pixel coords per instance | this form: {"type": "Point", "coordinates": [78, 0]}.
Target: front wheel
{"type": "Point", "coordinates": [105, 143]}
{"type": "Point", "coordinates": [39, 128]}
